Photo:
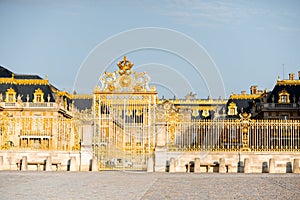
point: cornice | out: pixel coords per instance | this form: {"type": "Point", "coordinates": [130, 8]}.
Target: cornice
{"type": "Point", "coordinates": [14, 81]}
{"type": "Point", "coordinates": [288, 82]}
{"type": "Point", "coordinates": [245, 96]}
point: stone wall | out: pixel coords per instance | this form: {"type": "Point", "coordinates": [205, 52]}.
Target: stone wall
{"type": "Point", "coordinates": [256, 162]}
{"type": "Point", "coordinates": [38, 160]}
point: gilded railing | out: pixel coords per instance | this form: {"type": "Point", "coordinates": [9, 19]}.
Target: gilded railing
{"type": "Point", "coordinates": [234, 135]}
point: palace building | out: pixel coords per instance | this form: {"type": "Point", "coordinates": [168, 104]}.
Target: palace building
{"type": "Point", "coordinates": [124, 125]}
{"type": "Point", "coordinates": [283, 102]}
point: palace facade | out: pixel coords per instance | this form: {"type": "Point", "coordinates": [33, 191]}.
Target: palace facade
{"type": "Point", "coordinates": [124, 125]}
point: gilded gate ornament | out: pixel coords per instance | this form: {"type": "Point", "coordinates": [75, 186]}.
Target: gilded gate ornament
{"type": "Point", "coordinates": [124, 66]}
{"type": "Point", "coordinates": [245, 123]}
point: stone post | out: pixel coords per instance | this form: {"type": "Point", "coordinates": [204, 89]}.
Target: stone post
{"type": "Point", "coordinates": [272, 165]}
{"type": "Point", "coordinates": [172, 165]}
{"type": "Point", "coordinates": [150, 166]}
{"type": "Point", "coordinates": [189, 167]}
{"type": "Point", "coordinates": [1, 162]}
{"type": "Point", "coordinates": [24, 164]}
{"type": "Point", "coordinates": [197, 168]}
{"type": "Point", "coordinates": [73, 164]}
{"type": "Point", "coordinates": [296, 168]}
{"type": "Point", "coordinates": [222, 167]}
{"type": "Point", "coordinates": [247, 166]}
{"type": "Point", "coordinates": [94, 164]}
{"type": "Point", "coordinates": [48, 165]}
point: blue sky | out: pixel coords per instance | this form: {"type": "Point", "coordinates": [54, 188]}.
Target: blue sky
{"type": "Point", "coordinates": [249, 41]}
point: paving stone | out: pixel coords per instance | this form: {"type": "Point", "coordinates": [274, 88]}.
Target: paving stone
{"type": "Point", "coordinates": [141, 185]}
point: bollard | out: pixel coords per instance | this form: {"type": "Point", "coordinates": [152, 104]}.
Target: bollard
{"type": "Point", "coordinates": [222, 167]}
{"type": "Point", "coordinates": [48, 166]}
{"type": "Point", "coordinates": [24, 164]}
{"type": "Point", "coordinates": [150, 166]}
{"type": "Point", "coordinates": [247, 166]}
{"type": "Point", "coordinates": [73, 164]}
{"type": "Point", "coordinates": [94, 164]}
{"type": "Point", "coordinates": [197, 168]}
{"type": "Point", "coordinates": [296, 167]}
{"type": "Point", "coordinates": [172, 165]}
{"type": "Point", "coordinates": [1, 162]}
{"type": "Point", "coordinates": [272, 165]}
{"type": "Point", "coordinates": [188, 167]}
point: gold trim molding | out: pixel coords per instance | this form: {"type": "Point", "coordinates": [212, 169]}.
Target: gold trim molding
{"type": "Point", "coordinates": [288, 82]}
{"type": "Point", "coordinates": [14, 81]}
{"type": "Point", "coordinates": [245, 96]}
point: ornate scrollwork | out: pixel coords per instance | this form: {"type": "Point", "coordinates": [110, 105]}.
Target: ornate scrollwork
{"type": "Point", "coordinates": [245, 122]}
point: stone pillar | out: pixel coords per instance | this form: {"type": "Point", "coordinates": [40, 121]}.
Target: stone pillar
{"type": "Point", "coordinates": [272, 165]}
{"type": "Point", "coordinates": [247, 166]}
{"type": "Point", "coordinates": [24, 164]}
{"type": "Point", "coordinates": [189, 167]}
{"type": "Point", "coordinates": [150, 166]}
{"type": "Point", "coordinates": [197, 168]}
{"type": "Point", "coordinates": [296, 168]}
{"type": "Point", "coordinates": [94, 164]}
{"type": "Point", "coordinates": [172, 165]}
{"type": "Point", "coordinates": [48, 165]}
{"type": "Point", "coordinates": [222, 167]}
{"type": "Point", "coordinates": [73, 164]}
{"type": "Point", "coordinates": [1, 162]}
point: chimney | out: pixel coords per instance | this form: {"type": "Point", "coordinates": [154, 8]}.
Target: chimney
{"type": "Point", "coordinates": [243, 92]}
{"type": "Point", "coordinates": [253, 89]}
{"type": "Point", "coordinates": [291, 76]}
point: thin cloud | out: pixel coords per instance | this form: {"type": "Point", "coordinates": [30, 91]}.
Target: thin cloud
{"type": "Point", "coordinates": [204, 13]}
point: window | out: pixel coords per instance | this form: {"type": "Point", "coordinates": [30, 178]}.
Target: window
{"type": "Point", "coordinates": [285, 117]}
{"type": "Point", "coordinates": [232, 109]}
{"type": "Point", "coordinates": [10, 95]}
{"type": "Point", "coordinates": [38, 96]}
{"type": "Point", "coordinates": [284, 97]}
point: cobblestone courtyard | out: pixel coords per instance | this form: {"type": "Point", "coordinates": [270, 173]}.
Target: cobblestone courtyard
{"type": "Point", "coordinates": [141, 185]}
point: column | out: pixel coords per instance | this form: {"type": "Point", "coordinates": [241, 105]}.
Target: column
{"type": "Point", "coordinates": [222, 167]}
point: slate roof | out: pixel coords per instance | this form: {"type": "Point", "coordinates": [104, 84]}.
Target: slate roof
{"type": "Point", "coordinates": [83, 103]}
{"type": "Point", "coordinates": [23, 89]}
{"type": "Point", "coordinates": [5, 73]}
{"type": "Point", "coordinates": [293, 90]}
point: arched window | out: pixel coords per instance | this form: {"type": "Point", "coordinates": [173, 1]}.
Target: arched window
{"type": "Point", "coordinates": [10, 95]}
{"type": "Point", "coordinates": [38, 96]}
{"type": "Point", "coordinates": [232, 109]}
{"type": "Point", "coordinates": [284, 97]}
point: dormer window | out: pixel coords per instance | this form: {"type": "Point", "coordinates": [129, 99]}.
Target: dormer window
{"type": "Point", "coordinates": [38, 96]}
{"type": "Point", "coordinates": [232, 109]}
{"type": "Point", "coordinates": [10, 95]}
{"type": "Point", "coordinates": [284, 97]}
